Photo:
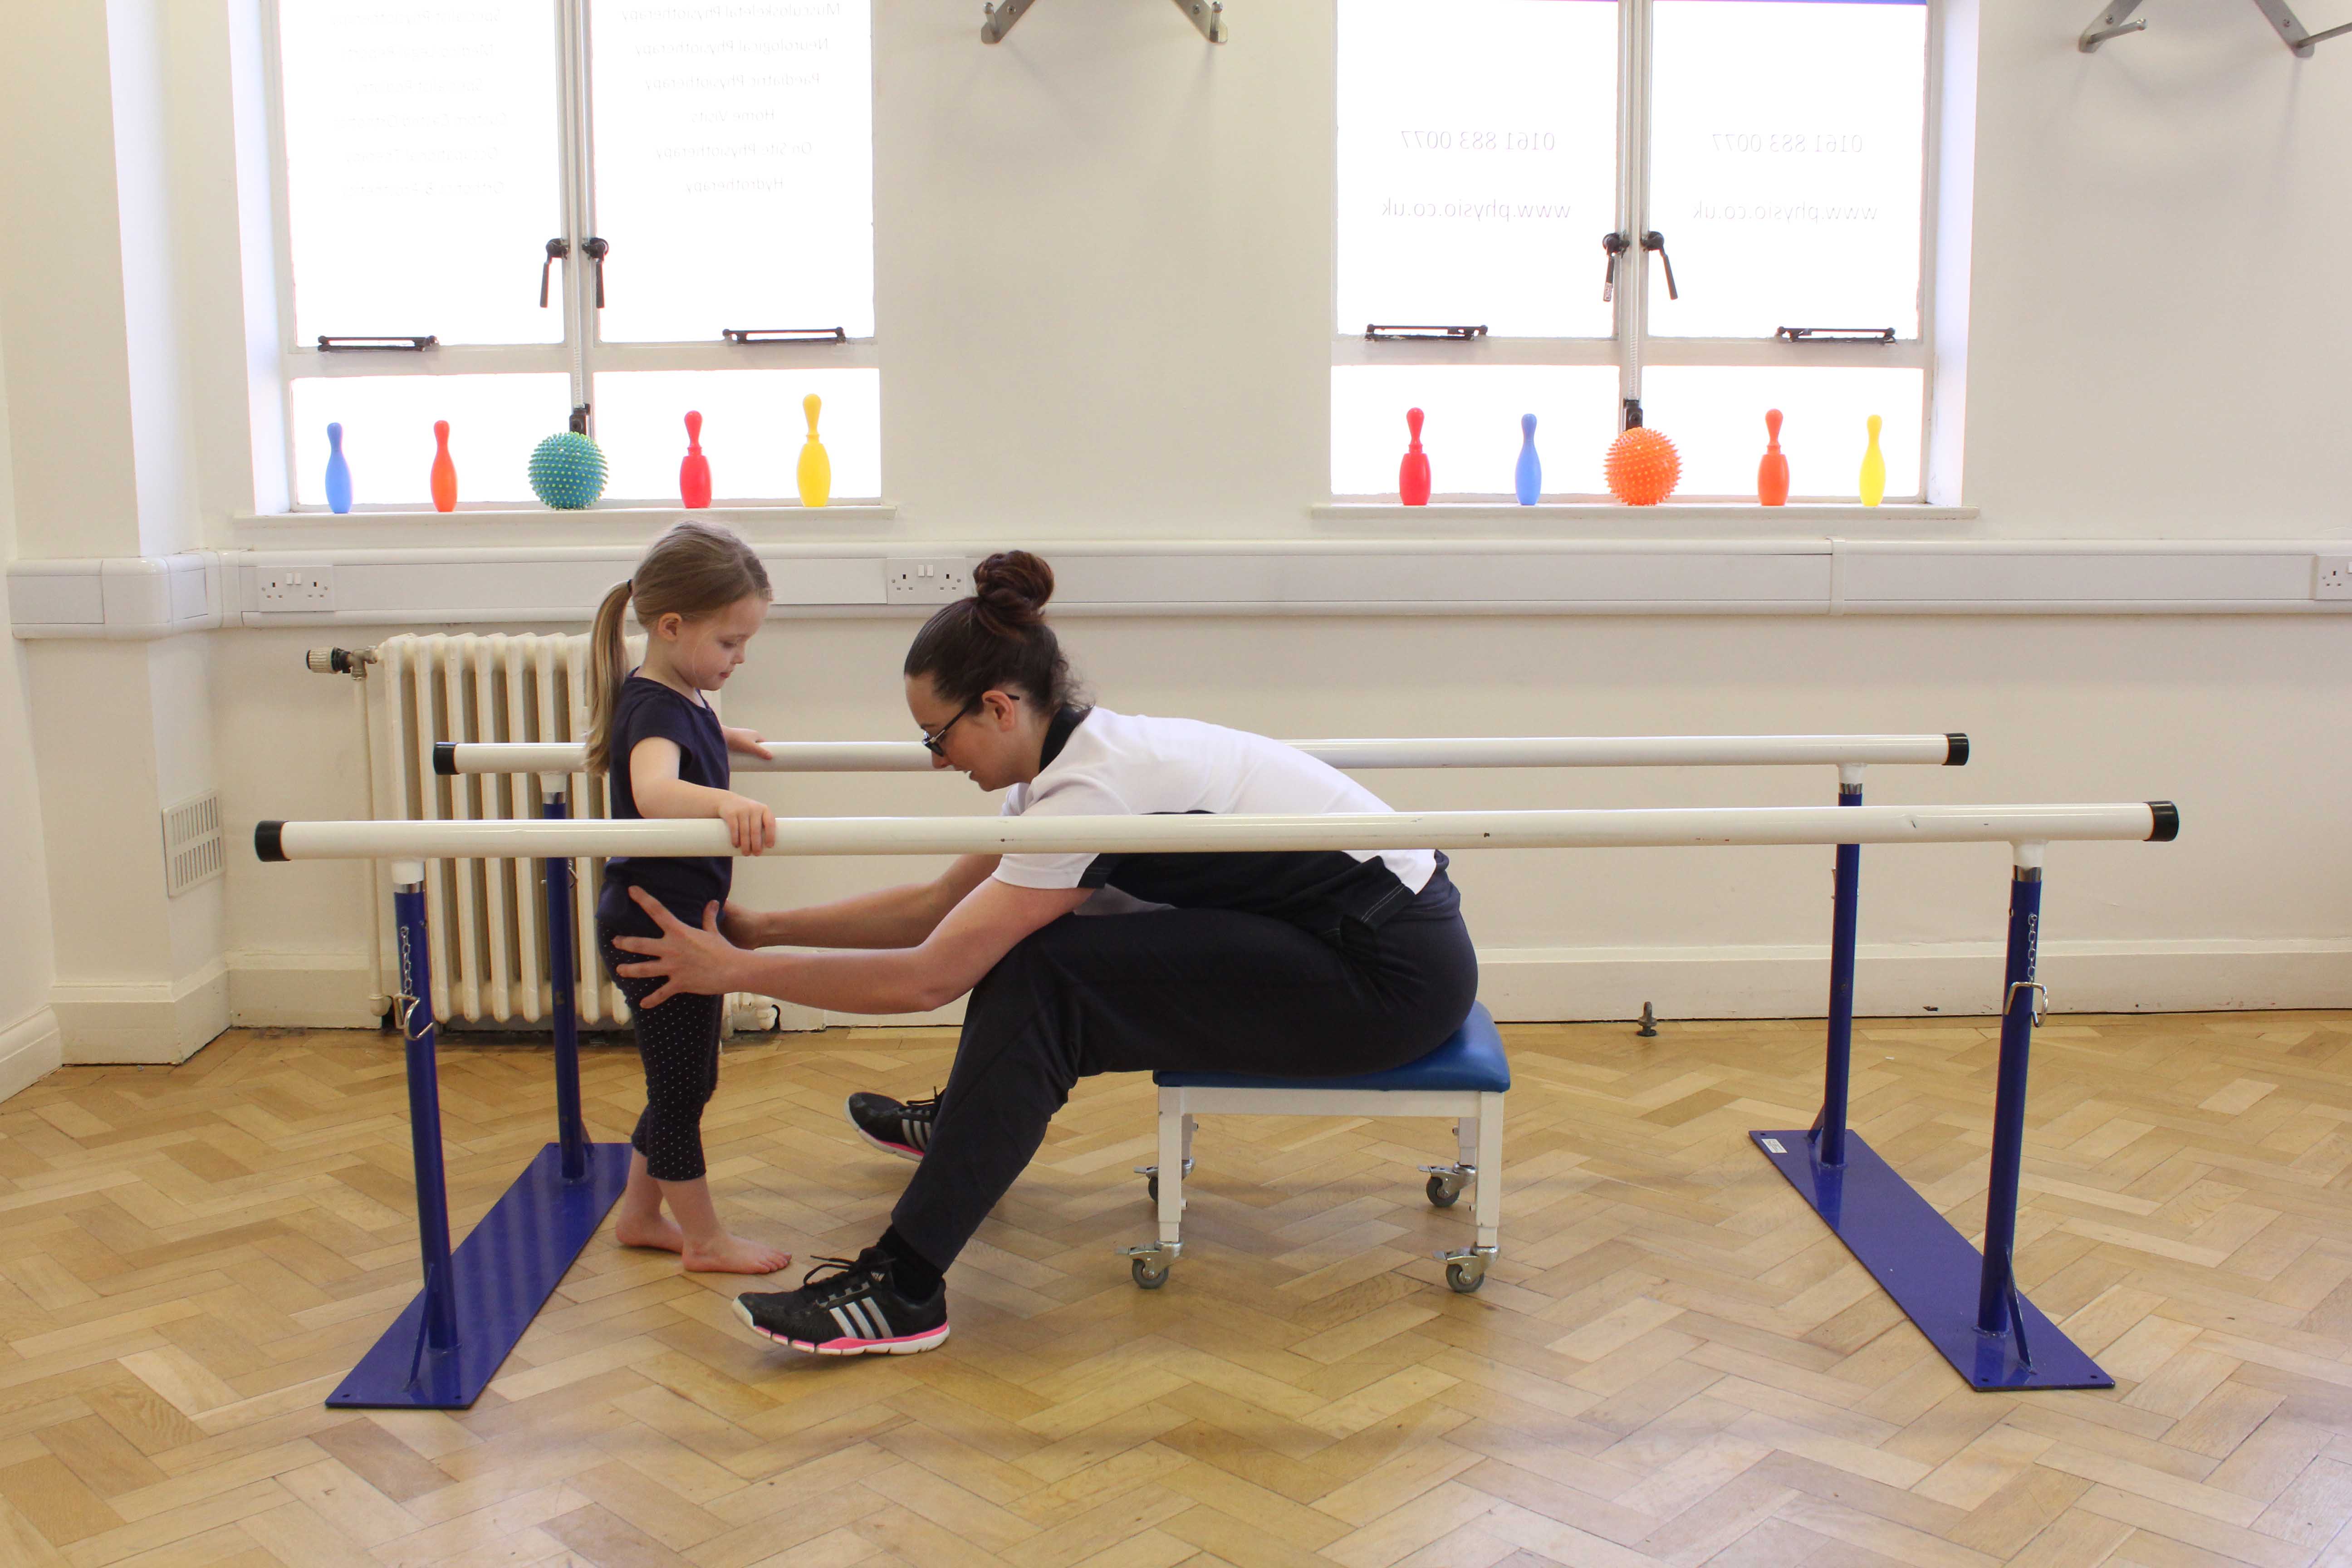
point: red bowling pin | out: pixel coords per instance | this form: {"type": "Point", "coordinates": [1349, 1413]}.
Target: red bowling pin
{"type": "Point", "coordinates": [694, 473]}
{"type": "Point", "coordinates": [1412, 474]}
{"type": "Point", "coordinates": [1772, 472]}
{"type": "Point", "coordinates": [445, 472]}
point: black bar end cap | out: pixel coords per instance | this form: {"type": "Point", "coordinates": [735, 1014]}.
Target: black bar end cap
{"type": "Point", "coordinates": [1956, 752]}
{"type": "Point", "coordinates": [2168, 822]}
{"type": "Point", "coordinates": [445, 758]}
{"type": "Point", "coordinates": [268, 840]}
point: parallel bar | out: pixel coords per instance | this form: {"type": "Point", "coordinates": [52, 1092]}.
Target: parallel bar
{"type": "Point", "coordinates": [444, 1349]}
{"type": "Point", "coordinates": [1585, 829]}
{"type": "Point", "coordinates": [1443, 752]}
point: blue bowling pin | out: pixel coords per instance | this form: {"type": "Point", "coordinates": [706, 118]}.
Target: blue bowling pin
{"type": "Point", "coordinates": [339, 472]}
{"type": "Point", "coordinates": [1530, 473]}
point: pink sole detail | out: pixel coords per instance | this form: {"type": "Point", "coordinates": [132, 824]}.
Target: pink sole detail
{"type": "Point", "coordinates": [904, 1152]}
{"type": "Point", "coordinates": [906, 1345]}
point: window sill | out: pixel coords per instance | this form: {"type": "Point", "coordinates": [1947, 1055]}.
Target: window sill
{"type": "Point", "coordinates": [395, 527]}
{"type": "Point", "coordinates": [1676, 519]}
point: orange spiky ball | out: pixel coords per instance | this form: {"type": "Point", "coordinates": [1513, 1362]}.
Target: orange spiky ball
{"type": "Point", "coordinates": [1643, 467]}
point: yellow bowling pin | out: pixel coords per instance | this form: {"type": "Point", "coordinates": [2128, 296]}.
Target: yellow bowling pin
{"type": "Point", "coordinates": [816, 469]}
{"type": "Point", "coordinates": [1873, 467]}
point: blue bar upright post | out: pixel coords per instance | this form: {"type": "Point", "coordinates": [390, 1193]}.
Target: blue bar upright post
{"type": "Point", "coordinates": [570, 1129]}
{"type": "Point", "coordinates": [1837, 1069]}
{"type": "Point", "coordinates": [438, 1330]}
{"type": "Point", "coordinates": [1997, 1300]}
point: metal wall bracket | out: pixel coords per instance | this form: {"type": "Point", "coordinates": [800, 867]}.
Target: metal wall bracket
{"type": "Point", "coordinates": [2112, 23]}
{"type": "Point", "coordinates": [1002, 14]}
{"type": "Point", "coordinates": [2115, 21]}
{"type": "Point", "coordinates": [2293, 33]}
{"type": "Point", "coordinates": [1208, 16]}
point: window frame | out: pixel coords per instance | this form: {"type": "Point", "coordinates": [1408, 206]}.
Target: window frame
{"type": "Point", "coordinates": [582, 353]}
{"type": "Point", "coordinates": [1630, 348]}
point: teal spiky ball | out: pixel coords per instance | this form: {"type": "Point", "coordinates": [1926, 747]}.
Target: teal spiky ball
{"type": "Point", "coordinates": [567, 472]}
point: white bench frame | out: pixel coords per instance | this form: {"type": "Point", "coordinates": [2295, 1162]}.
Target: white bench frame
{"type": "Point", "coordinates": [1478, 1140]}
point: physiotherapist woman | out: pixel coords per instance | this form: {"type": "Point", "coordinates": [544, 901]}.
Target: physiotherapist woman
{"type": "Point", "coordinates": [1300, 963]}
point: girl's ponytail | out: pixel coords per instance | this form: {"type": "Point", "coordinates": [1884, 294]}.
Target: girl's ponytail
{"type": "Point", "coordinates": [608, 667]}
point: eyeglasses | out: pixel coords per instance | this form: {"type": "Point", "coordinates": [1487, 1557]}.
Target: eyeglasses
{"type": "Point", "coordinates": [932, 740]}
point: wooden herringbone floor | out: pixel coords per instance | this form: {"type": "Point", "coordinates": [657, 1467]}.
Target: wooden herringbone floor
{"type": "Point", "coordinates": [1673, 1363]}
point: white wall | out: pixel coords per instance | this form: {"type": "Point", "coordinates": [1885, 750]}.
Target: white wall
{"type": "Point", "coordinates": [1104, 302]}
{"type": "Point", "coordinates": [29, 1043]}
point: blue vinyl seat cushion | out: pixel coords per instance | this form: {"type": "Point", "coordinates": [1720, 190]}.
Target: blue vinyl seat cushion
{"type": "Point", "coordinates": [1471, 1058]}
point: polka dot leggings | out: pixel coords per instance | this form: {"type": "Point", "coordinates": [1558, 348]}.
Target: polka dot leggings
{"type": "Point", "coordinates": [679, 1043]}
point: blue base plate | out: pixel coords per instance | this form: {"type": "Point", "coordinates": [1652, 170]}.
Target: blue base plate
{"type": "Point", "coordinates": [1926, 1266]}
{"type": "Point", "coordinates": [502, 1273]}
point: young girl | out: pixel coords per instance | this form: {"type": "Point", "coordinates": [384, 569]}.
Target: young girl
{"type": "Point", "coordinates": [701, 595]}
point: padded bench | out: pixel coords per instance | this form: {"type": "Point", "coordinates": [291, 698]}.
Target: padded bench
{"type": "Point", "coordinates": [1465, 1078]}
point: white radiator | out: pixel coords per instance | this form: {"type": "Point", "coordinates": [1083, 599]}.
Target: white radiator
{"type": "Point", "coordinates": [487, 943]}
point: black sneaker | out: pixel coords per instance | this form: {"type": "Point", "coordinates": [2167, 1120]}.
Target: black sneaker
{"type": "Point", "coordinates": [895, 1127]}
{"type": "Point", "coordinates": [855, 1310]}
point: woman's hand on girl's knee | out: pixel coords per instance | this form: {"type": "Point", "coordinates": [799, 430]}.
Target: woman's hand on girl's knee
{"type": "Point", "coordinates": [690, 959]}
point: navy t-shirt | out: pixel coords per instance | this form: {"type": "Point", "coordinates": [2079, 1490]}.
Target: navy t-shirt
{"type": "Point", "coordinates": [648, 711]}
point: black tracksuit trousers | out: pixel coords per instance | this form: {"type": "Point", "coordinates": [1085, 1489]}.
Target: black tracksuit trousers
{"type": "Point", "coordinates": [1177, 991]}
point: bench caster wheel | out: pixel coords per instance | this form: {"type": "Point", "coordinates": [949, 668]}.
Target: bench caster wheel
{"type": "Point", "coordinates": [1150, 1175]}
{"type": "Point", "coordinates": [1444, 1191]}
{"type": "Point", "coordinates": [1465, 1274]}
{"type": "Point", "coordinates": [1147, 1277]}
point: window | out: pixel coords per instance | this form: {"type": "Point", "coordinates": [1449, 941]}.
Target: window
{"type": "Point", "coordinates": [620, 208]}
{"type": "Point", "coordinates": [1502, 162]}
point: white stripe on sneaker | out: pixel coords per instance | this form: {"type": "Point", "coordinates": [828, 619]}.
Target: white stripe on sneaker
{"type": "Point", "coordinates": [849, 1329]}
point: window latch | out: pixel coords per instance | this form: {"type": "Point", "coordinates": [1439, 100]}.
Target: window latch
{"type": "Point", "coordinates": [557, 250]}
{"type": "Point", "coordinates": [784, 334]}
{"type": "Point", "coordinates": [1375, 332]}
{"type": "Point", "coordinates": [1615, 245]}
{"type": "Point", "coordinates": [594, 249]}
{"type": "Point", "coordinates": [333, 344]}
{"type": "Point", "coordinates": [1655, 241]}
{"type": "Point", "coordinates": [579, 419]}
{"type": "Point", "coordinates": [1835, 334]}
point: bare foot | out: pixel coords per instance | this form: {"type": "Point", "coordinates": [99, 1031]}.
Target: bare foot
{"type": "Point", "coordinates": [733, 1255]}
{"type": "Point", "coordinates": [660, 1231]}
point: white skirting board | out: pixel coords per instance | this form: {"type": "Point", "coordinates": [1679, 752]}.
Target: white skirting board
{"type": "Point", "coordinates": [30, 1049]}
{"type": "Point", "coordinates": [1580, 985]}
{"type": "Point", "coordinates": [1943, 979]}
{"type": "Point", "coordinates": [302, 991]}
{"type": "Point", "coordinates": [153, 1023]}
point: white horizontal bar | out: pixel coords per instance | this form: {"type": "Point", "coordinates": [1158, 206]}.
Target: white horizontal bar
{"type": "Point", "coordinates": [1456, 751]}
{"type": "Point", "coordinates": [1191, 834]}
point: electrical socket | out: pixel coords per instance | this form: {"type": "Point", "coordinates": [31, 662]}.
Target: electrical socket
{"type": "Point", "coordinates": [2331, 577]}
{"type": "Point", "coordinates": [926, 579]}
{"type": "Point", "coordinates": [295, 588]}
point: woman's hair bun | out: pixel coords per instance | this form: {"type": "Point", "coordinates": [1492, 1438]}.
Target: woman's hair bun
{"type": "Point", "coordinates": [1013, 586]}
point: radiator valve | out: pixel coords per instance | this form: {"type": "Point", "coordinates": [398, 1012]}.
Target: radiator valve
{"type": "Point", "coordinates": [351, 661]}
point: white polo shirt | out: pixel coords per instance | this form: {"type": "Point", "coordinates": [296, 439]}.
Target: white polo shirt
{"type": "Point", "coordinates": [1101, 764]}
